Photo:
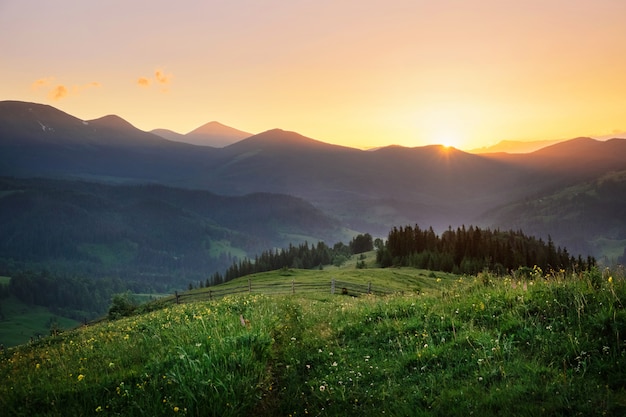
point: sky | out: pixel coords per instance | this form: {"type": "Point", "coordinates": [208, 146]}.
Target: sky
{"type": "Point", "coordinates": [366, 73]}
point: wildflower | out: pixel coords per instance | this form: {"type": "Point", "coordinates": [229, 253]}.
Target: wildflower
{"type": "Point", "coordinates": [334, 363]}
{"type": "Point", "coordinates": [80, 377]}
{"type": "Point", "coordinates": [610, 280]}
{"type": "Point", "coordinates": [38, 366]}
{"type": "Point", "coordinates": [99, 409]}
{"type": "Point", "coordinates": [176, 409]}
{"type": "Point", "coordinates": [322, 388]}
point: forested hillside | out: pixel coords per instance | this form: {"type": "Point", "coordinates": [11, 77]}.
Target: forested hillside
{"type": "Point", "coordinates": [472, 250]}
{"type": "Point", "coordinates": [157, 237]}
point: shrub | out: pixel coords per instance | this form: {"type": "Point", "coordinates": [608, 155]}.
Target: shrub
{"type": "Point", "coordinates": [122, 305]}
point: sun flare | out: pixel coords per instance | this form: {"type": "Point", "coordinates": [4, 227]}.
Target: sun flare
{"type": "Point", "coordinates": [448, 140]}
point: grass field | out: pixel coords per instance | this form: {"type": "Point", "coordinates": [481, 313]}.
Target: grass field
{"type": "Point", "coordinates": [20, 322]}
{"type": "Point", "coordinates": [483, 345]}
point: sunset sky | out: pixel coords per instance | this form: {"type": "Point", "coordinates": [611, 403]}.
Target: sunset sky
{"type": "Point", "coordinates": [365, 73]}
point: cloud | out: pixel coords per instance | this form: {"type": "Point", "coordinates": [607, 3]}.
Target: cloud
{"type": "Point", "coordinates": [143, 82]}
{"type": "Point", "coordinates": [42, 82]}
{"type": "Point", "coordinates": [161, 77]}
{"type": "Point", "coordinates": [58, 92]}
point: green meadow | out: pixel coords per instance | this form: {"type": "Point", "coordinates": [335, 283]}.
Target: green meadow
{"type": "Point", "coordinates": [439, 345]}
{"type": "Point", "coordinates": [21, 322]}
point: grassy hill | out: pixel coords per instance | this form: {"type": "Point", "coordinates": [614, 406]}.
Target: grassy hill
{"type": "Point", "coordinates": [441, 345]}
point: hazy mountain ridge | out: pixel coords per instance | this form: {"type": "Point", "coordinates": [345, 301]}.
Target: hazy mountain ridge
{"type": "Point", "coordinates": [368, 191]}
{"type": "Point", "coordinates": [514, 146]}
{"type": "Point", "coordinates": [39, 140]}
{"type": "Point", "coordinates": [213, 134]}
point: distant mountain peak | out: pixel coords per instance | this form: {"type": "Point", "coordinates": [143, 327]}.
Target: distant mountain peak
{"type": "Point", "coordinates": [218, 129]}
{"type": "Point", "coordinates": [515, 146]}
{"type": "Point", "coordinates": [279, 138]}
{"type": "Point", "coordinates": [112, 121]}
{"type": "Point", "coordinates": [213, 134]}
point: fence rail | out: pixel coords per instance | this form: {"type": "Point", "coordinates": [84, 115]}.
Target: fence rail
{"type": "Point", "coordinates": [284, 288]}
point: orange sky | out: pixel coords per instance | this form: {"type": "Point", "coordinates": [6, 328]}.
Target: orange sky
{"type": "Point", "coordinates": [359, 73]}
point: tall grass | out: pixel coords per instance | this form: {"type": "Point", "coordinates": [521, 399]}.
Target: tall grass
{"type": "Point", "coordinates": [547, 344]}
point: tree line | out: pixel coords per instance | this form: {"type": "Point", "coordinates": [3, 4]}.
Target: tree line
{"type": "Point", "coordinates": [472, 250]}
{"type": "Point", "coordinates": [303, 256]}
{"type": "Point", "coordinates": [78, 298]}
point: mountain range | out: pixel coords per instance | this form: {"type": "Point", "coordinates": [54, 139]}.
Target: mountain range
{"type": "Point", "coordinates": [514, 146]}
{"type": "Point", "coordinates": [365, 191]}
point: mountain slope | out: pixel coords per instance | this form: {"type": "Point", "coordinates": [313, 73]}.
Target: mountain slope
{"type": "Point", "coordinates": [369, 191]}
{"type": "Point", "coordinates": [39, 140]}
{"type": "Point", "coordinates": [588, 217]}
{"type": "Point", "coordinates": [148, 233]}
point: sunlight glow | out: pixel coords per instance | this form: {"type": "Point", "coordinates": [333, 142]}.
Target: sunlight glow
{"type": "Point", "coordinates": [448, 139]}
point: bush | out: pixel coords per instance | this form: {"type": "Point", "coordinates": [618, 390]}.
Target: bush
{"type": "Point", "coordinates": [122, 305]}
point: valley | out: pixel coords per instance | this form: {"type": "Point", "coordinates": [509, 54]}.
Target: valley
{"type": "Point", "coordinates": [101, 199]}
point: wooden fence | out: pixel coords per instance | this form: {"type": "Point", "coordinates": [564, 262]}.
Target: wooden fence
{"type": "Point", "coordinates": [284, 288]}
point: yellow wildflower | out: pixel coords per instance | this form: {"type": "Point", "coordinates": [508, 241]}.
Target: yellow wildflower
{"type": "Point", "coordinates": [80, 377]}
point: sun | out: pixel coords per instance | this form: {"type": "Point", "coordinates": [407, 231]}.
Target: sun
{"type": "Point", "coordinates": [447, 140]}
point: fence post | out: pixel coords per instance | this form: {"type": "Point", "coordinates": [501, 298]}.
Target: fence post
{"type": "Point", "coordinates": [210, 296]}
{"type": "Point", "coordinates": [332, 286]}
{"type": "Point", "coordinates": [369, 287]}
{"type": "Point", "coordinates": [293, 286]}
{"type": "Point", "coordinates": [176, 295]}
{"type": "Point", "coordinates": [249, 285]}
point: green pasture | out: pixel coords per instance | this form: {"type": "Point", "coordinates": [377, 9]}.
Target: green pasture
{"type": "Point", "coordinates": [20, 323]}
{"type": "Point", "coordinates": [550, 344]}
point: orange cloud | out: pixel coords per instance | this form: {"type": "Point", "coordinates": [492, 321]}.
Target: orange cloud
{"type": "Point", "coordinates": [58, 92]}
{"type": "Point", "coordinates": [161, 77]}
{"type": "Point", "coordinates": [42, 82]}
{"type": "Point", "coordinates": [143, 82]}
{"type": "Point", "coordinates": [62, 91]}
